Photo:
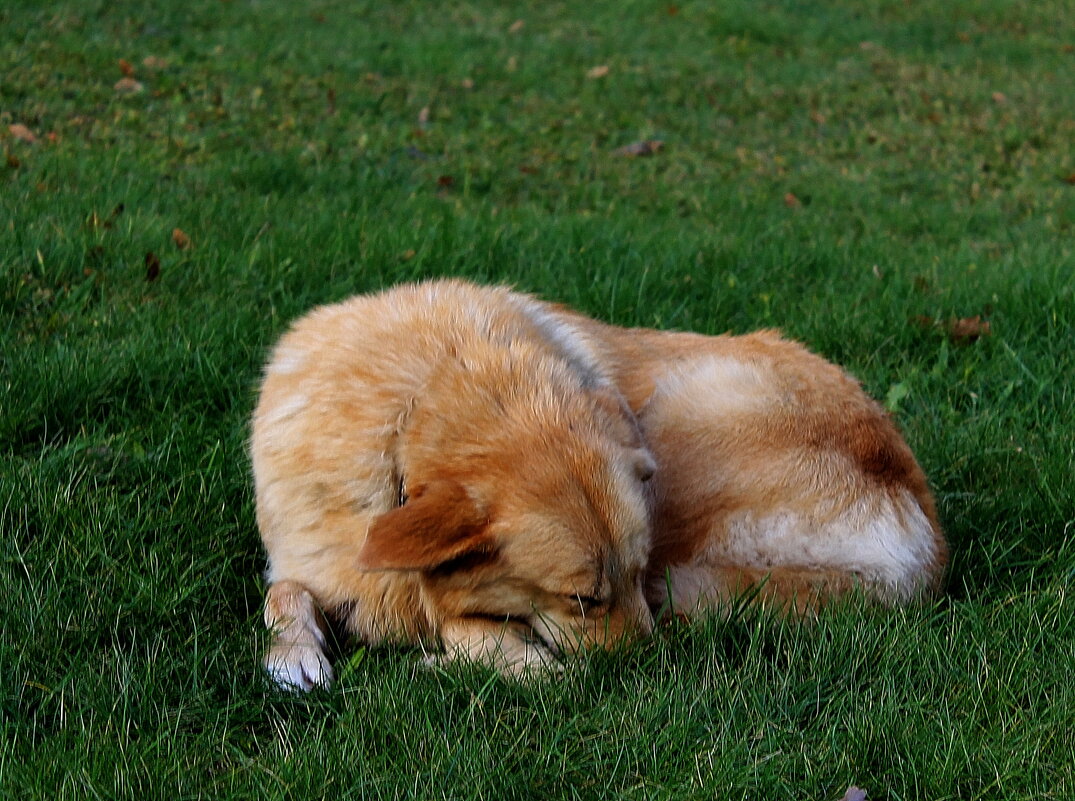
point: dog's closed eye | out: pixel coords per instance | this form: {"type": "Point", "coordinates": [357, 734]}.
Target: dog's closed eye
{"type": "Point", "coordinates": [588, 603]}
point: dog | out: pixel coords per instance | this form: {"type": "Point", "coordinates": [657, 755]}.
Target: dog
{"type": "Point", "coordinates": [777, 476]}
{"type": "Point", "coordinates": [450, 466]}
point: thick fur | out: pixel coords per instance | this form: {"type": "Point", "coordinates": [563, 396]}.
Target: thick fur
{"type": "Point", "coordinates": [446, 465]}
{"type": "Point", "coordinates": [776, 473]}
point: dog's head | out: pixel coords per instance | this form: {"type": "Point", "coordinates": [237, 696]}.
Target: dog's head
{"type": "Point", "coordinates": [540, 520]}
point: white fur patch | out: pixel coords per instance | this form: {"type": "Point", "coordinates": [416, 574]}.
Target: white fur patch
{"type": "Point", "coordinates": [713, 386]}
{"type": "Point", "coordinates": [886, 541]}
{"type": "Point", "coordinates": [286, 409]}
{"type": "Point", "coordinates": [287, 360]}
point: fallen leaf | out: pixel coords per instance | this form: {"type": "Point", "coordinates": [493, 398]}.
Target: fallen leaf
{"type": "Point", "coordinates": [517, 26]}
{"type": "Point", "coordinates": [153, 267]}
{"type": "Point", "coordinates": [21, 132]}
{"type": "Point", "coordinates": [854, 794]}
{"type": "Point", "coordinates": [1069, 179]}
{"type": "Point", "coordinates": [128, 86]}
{"type": "Point", "coordinates": [126, 68]}
{"type": "Point", "coordinates": [817, 117]}
{"type": "Point", "coordinates": [53, 137]}
{"type": "Point", "coordinates": [600, 71]}
{"type": "Point", "coordinates": [647, 147]}
{"type": "Point", "coordinates": [1000, 98]}
{"type": "Point", "coordinates": [959, 329]}
{"type": "Point", "coordinates": [791, 201]}
{"type": "Point", "coordinates": [968, 329]}
{"type": "Point", "coordinates": [182, 241]}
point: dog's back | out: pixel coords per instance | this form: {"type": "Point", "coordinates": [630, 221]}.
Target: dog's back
{"type": "Point", "coordinates": [776, 473]}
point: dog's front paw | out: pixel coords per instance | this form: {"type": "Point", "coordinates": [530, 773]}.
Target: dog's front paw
{"type": "Point", "coordinates": [298, 667]}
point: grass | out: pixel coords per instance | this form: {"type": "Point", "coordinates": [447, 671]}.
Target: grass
{"type": "Point", "coordinates": [851, 172]}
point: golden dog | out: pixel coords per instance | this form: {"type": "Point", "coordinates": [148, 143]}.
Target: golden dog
{"type": "Point", "coordinates": [446, 464]}
{"type": "Point", "coordinates": [464, 466]}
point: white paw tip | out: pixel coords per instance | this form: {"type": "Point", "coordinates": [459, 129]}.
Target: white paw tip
{"type": "Point", "coordinates": [299, 668]}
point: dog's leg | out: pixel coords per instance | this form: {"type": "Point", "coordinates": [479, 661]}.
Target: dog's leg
{"type": "Point", "coordinates": [501, 645]}
{"type": "Point", "coordinates": [296, 659]}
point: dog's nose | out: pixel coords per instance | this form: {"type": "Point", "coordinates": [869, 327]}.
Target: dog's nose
{"type": "Point", "coordinates": [625, 625]}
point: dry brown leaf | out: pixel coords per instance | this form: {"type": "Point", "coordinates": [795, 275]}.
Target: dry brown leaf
{"type": "Point", "coordinates": [600, 71]}
{"type": "Point", "coordinates": [153, 267]}
{"type": "Point", "coordinates": [1000, 98]}
{"type": "Point", "coordinates": [182, 241]}
{"type": "Point", "coordinates": [1069, 179]}
{"type": "Point", "coordinates": [517, 26]}
{"type": "Point", "coordinates": [128, 86]}
{"type": "Point", "coordinates": [126, 68]}
{"type": "Point", "coordinates": [968, 329]}
{"type": "Point", "coordinates": [647, 147]}
{"type": "Point", "coordinates": [791, 201]}
{"type": "Point", "coordinates": [22, 133]}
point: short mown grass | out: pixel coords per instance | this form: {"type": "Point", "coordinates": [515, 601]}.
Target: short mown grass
{"type": "Point", "coordinates": [859, 174]}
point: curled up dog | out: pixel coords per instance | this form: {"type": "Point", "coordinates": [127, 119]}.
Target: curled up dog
{"type": "Point", "coordinates": [475, 471]}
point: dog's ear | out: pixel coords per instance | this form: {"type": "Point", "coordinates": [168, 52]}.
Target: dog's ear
{"type": "Point", "coordinates": [439, 523]}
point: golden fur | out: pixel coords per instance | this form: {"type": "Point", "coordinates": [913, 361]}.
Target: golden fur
{"type": "Point", "coordinates": [776, 473]}
{"type": "Point", "coordinates": [453, 465]}
{"type": "Point", "coordinates": [434, 465]}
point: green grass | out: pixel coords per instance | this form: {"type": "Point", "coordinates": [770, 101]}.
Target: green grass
{"type": "Point", "coordinates": [927, 146]}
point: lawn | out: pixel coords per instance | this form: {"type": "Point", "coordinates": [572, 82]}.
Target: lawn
{"type": "Point", "coordinates": [891, 182]}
